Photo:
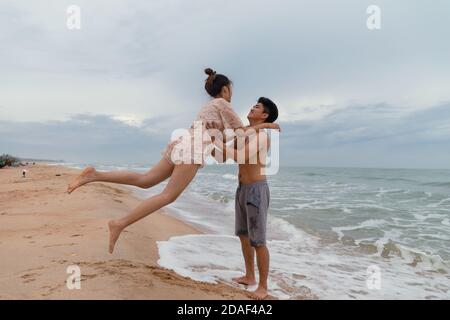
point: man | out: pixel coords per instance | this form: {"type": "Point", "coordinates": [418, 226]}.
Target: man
{"type": "Point", "coordinates": [252, 196]}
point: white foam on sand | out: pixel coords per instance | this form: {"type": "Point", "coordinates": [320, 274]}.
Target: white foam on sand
{"type": "Point", "coordinates": [214, 258]}
{"type": "Point", "coordinates": [299, 271]}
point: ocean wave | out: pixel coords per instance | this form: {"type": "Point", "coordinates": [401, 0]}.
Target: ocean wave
{"type": "Point", "coordinates": [412, 256]}
{"type": "Point", "coordinates": [229, 176]}
{"type": "Point", "coordinates": [437, 204]}
{"type": "Point", "coordinates": [437, 184]}
{"type": "Point", "coordinates": [385, 178]}
{"type": "Point", "coordinates": [422, 217]}
{"type": "Point", "coordinates": [312, 174]}
{"type": "Point", "coordinates": [387, 247]}
{"type": "Point", "coordinates": [372, 206]}
{"type": "Point", "coordinates": [371, 223]}
{"type": "Point", "coordinates": [220, 197]}
{"type": "Point", "coordinates": [280, 229]}
{"type": "Point", "coordinates": [382, 192]}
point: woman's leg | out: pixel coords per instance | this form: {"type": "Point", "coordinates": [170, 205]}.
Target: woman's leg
{"type": "Point", "coordinates": [160, 172]}
{"type": "Point", "coordinates": [182, 175]}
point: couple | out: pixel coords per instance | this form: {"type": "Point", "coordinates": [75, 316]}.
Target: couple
{"type": "Point", "coordinates": [252, 195]}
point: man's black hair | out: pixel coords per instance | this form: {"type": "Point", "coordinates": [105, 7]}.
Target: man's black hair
{"type": "Point", "coordinates": [270, 108]}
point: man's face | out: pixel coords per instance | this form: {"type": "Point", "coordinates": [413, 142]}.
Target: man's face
{"type": "Point", "coordinates": [257, 113]}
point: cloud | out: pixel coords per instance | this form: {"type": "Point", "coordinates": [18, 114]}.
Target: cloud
{"type": "Point", "coordinates": [298, 52]}
{"type": "Point", "coordinates": [84, 138]}
{"type": "Point", "coordinates": [370, 135]}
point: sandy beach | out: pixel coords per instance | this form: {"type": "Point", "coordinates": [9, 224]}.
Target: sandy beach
{"type": "Point", "coordinates": [43, 231]}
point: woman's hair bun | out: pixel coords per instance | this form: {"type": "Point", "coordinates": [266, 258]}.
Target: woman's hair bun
{"type": "Point", "coordinates": [210, 71]}
{"type": "Point", "coordinates": [215, 82]}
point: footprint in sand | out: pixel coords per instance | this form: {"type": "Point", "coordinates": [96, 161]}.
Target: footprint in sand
{"type": "Point", "coordinates": [118, 268]}
{"type": "Point", "coordinates": [60, 261]}
{"type": "Point", "coordinates": [85, 277]}
{"type": "Point", "coordinates": [29, 277]}
{"type": "Point", "coordinates": [60, 245]}
{"type": "Point", "coordinates": [50, 290]}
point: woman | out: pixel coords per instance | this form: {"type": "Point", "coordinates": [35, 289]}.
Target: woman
{"type": "Point", "coordinates": [218, 110]}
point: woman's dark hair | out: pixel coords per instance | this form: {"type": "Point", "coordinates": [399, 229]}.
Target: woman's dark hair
{"type": "Point", "coordinates": [215, 82]}
{"type": "Point", "coordinates": [270, 108]}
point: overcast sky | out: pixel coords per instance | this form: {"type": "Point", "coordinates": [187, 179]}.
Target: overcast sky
{"type": "Point", "coordinates": [115, 90]}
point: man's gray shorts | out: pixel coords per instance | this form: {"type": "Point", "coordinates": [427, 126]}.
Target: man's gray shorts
{"type": "Point", "coordinates": [252, 204]}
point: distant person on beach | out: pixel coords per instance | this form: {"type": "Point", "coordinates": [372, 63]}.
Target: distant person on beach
{"type": "Point", "coordinates": [24, 173]}
{"type": "Point", "coordinates": [181, 173]}
{"type": "Point", "coordinates": [252, 197]}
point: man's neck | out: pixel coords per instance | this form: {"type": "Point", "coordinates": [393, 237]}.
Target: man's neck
{"type": "Point", "coordinates": [254, 123]}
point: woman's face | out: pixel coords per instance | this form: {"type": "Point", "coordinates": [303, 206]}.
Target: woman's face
{"type": "Point", "coordinates": [228, 93]}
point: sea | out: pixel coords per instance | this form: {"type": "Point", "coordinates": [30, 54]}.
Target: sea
{"type": "Point", "coordinates": [333, 233]}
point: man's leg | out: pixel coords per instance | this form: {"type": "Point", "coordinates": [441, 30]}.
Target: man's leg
{"type": "Point", "coordinates": [257, 207]}
{"type": "Point", "coordinates": [249, 257]}
{"type": "Point", "coordinates": [262, 258]}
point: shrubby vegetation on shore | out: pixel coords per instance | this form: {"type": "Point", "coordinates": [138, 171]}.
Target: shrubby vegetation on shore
{"type": "Point", "coordinates": [8, 160]}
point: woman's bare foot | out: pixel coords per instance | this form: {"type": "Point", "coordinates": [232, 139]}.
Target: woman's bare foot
{"type": "Point", "coordinates": [115, 229]}
{"type": "Point", "coordinates": [87, 175]}
{"type": "Point", "coordinates": [259, 294]}
{"type": "Point", "coordinates": [245, 280]}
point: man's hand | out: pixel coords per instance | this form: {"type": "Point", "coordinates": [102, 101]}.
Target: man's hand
{"type": "Point", "coordinates": [274, 126]}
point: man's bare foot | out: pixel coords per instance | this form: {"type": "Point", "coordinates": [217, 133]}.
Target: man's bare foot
{"type": "Point", "coordinates": [115, 229]}
{"type": "Point", "coordinates": [259, 294]}
{"type": "Point", "coordinates": [87, 175]}
{"type": "Point", "coordinates": [245, 280]}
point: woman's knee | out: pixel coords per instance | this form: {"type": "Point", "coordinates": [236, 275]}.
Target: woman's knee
{"type": "Point", "coordinates": [145, 181]}
{"type": "Point", "coordinates": [169, 197]}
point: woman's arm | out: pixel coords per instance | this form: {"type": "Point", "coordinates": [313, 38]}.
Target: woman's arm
{"type": "Point", "coordinates": [232, 121]}
{"type": "Point", "coordinates": [265, 125]}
